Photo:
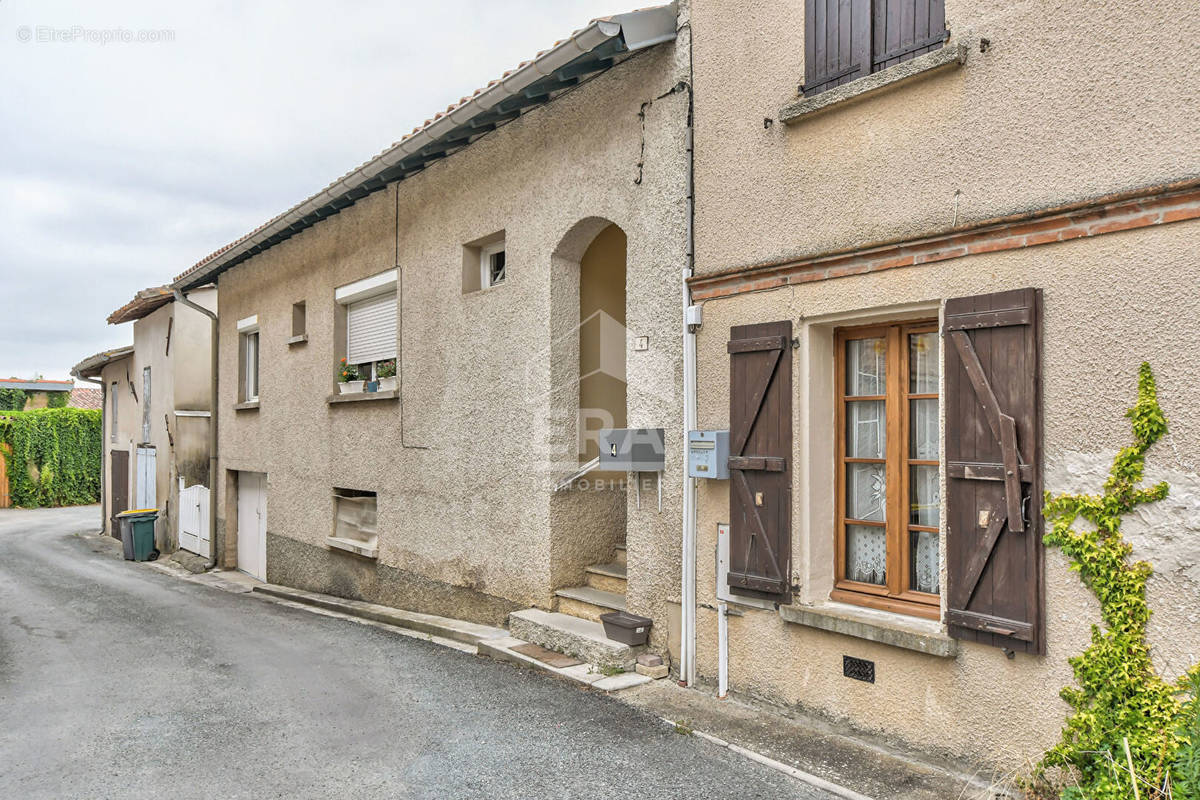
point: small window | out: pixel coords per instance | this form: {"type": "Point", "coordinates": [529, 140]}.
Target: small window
{"type": "Point", "coordinates": [299, 323]}
{"type": "Point", "coordinates": [485, 263]}
{"type": "Point", "coordinates": [354, 524]}
{"type": "Point", "coordinates": [250, 345]}
{"type": "Point", "coordinates": [845, 41]}
{"type": "Point", "coordinates": [112, 410]}
{"type": "Point", "coordinates": [491, 264]}
{"type": "Point", "coordinates": [248, 356]}
{"type": "Point", "coordinates": [146, 404]}
{"type": "Point", "coordinates": [888, 467]}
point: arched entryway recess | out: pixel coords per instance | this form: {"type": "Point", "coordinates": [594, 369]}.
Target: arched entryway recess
{"type": "Point", "coordinates": [588, 393]}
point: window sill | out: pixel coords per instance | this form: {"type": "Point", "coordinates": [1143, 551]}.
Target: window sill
{"type": "Point", "coordinates": [295, 340]}
{"type": "Point", "coordinates": [249, 405]}
{"type": "Point", "coordinates": [949, 56]}
{"type": "Point", "coordinates": [362, 397]}
{"type": "Point", "coordinates": [908, 633]}
{"type": "Point", "coordinates": [352, 546]}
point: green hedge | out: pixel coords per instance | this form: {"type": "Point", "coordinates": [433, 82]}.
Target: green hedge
{"type": "Point", "coordinates": [65, 448]}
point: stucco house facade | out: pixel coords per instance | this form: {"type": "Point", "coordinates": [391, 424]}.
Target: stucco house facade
{"type": "Point", "coordinates": [506, 280]}
{"type": "Point", "coordinates": [156, 415]}
{"type": "Point", "coordinates": [960, 200]}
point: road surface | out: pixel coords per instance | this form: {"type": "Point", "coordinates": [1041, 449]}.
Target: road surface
{"type": "Point", "coordinates": [119, 681]}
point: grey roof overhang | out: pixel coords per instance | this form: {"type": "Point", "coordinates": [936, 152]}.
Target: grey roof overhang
{"type": "Point", "coordinates": [588, 51]}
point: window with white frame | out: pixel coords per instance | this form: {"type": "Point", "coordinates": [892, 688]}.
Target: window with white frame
{"type": "Point", "coordinates": [248, 358]}
{"type": "Point", "coordinates": [491, 264]}
{"type": "Point", "coordinates": [371, 311]}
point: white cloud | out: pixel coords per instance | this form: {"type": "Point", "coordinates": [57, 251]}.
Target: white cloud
{"type": "Point", "coordinates": [122, 164]}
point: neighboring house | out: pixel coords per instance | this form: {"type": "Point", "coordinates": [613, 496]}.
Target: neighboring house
{"type": "Point", "coordinates": [156, 415]}
{"type": "Point", "coordinates": [493, 260]}
{"type": "Point", "coordinates": [39, 393]}
{"type": "Point", "coordinates": [979, 181]}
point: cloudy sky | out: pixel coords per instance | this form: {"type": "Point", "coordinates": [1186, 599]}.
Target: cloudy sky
{"type": "Point", "coordinates": [122, 163]}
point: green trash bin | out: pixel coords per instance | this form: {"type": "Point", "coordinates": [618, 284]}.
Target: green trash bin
{"type": "Point", "coordinates": [137, 533]}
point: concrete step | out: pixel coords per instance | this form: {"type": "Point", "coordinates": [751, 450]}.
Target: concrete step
{"type": "Point", "coordinates": [586, 674]}
{"type": "Point", "coordinates": [581, 638]}
{"type": "Point", "coordinates": [619, 555]}
{"type": "Point", "coordinates": [455, 629]}
{"type": "Point", "coordinates": [588, 603]}
{"type": "Point", "coordinates": [607, 577]}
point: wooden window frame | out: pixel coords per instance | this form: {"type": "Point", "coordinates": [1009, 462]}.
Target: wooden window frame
{"type": "Point", "coordinates": [895, 596]}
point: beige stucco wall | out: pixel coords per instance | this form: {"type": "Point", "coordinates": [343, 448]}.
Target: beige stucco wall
{"type": "Point", "coordinates": [459, 463]}
{"type": "Point", "coordinates": [980, 705]}
{"type": "Point", "coordinates": [1070, 101]}
{"type": "Point", "coordinates": [1066, 104]}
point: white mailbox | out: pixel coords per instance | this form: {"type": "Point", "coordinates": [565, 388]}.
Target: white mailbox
{"type": "Point", "coordinates": [708, 454]}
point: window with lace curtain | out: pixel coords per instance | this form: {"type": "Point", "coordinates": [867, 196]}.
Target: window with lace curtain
{"type": "Point", "coordinates": [888, 475]}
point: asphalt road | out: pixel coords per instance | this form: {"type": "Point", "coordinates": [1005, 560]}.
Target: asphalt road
{"type": "Point", "coordinates": [117, 681]}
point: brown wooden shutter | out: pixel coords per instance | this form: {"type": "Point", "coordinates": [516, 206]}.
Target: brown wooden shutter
{"type": "Point", "coordinates": [904, 29]}
{"type": "Point", "coordinates": [837, 49]}
{"type": "Point", "coordinates": [993, 402]}
{"type": "Point", "coordinates": [760, 448]}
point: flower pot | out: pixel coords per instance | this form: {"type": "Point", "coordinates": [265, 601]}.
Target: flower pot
{"type": "Point", "coordinates": [351, 387]}
{"type": "Point", "coordinates": [387, 384]}
{"type": "Point", "coordinates": [372, 386]}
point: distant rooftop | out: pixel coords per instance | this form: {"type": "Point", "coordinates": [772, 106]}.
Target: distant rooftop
{"type": "Point", "coordinates": [36, 385]}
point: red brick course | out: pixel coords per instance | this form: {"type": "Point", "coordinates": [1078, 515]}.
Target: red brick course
{"type": "Point", "coordinates": [1158, 205]}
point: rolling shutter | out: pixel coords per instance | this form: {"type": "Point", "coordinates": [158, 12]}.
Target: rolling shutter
{"type": "Point", "coordinates": [371, 329]}
{"type": "Point", "coordinates": [837, 35]}
{"type": "Point", "coordinates": [994, 469]}
{"type": "Point", "coordinates": [760, 450]}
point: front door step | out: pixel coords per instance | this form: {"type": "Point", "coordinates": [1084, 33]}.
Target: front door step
{"type": "Point", "coordinates": [587, 602]}
{"type": "Point", "coordinates": [576, 637]}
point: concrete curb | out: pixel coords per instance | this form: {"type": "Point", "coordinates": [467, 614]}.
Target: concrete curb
{"type": "Point", "coordinates": [778, 766]}
{"type": "Point", "coordinates": [444, 627]}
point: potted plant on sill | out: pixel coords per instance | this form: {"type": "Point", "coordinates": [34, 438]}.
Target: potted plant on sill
{"type": "Point", "coordinates": [386, 372]}
{"type": "Point", "coordinates": [349, 381]}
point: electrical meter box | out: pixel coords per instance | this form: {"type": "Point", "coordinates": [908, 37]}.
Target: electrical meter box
{"type": "Point", "coordinates": [633, 449]}
{"type": "Point", "coordinates": [708, 454]}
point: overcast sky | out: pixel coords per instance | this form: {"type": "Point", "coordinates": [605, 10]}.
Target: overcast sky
{"type": "Point", "coordinates": [122, 163]}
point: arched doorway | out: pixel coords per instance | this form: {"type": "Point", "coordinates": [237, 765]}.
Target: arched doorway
{"type": "Point", "coordinates": [588, 379]}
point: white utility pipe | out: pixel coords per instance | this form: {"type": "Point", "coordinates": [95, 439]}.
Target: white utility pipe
{"type": "Point", "coordinates": [722, 649]}
{"type": "Point", "coordinates": [687, 669]}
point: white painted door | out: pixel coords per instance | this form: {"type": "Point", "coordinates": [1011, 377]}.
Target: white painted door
{"type": "Point", "coordinates": [252, 524]}
{"type": "Point", "coordinates": [193, 519]}
{"type": "Point", "coordinates": [146, 477]}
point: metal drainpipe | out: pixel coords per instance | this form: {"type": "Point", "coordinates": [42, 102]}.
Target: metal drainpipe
{"type": "Point", "coordinates": [687, 671]}
{"type": "Point", "coordinates": [214, 358]}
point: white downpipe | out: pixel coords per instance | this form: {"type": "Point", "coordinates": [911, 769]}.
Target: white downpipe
{"type": "Point", "coordinates": [687, 669]}
{"type": "Point", "coordinates": [722, 649]}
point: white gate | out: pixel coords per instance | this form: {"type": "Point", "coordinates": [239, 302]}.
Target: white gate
{"type": "Point", "coordinates": [193, 520]}
{"type": "Point", "coordinates": [147, 475]}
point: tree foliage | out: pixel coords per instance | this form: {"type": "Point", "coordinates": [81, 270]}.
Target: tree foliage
{"type": "Point", "coordinates": [56, 456]}
{"type": "Point", "coordinates": [12, 399]}
{"type": "Point", "coordinates": [1120, 697]}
